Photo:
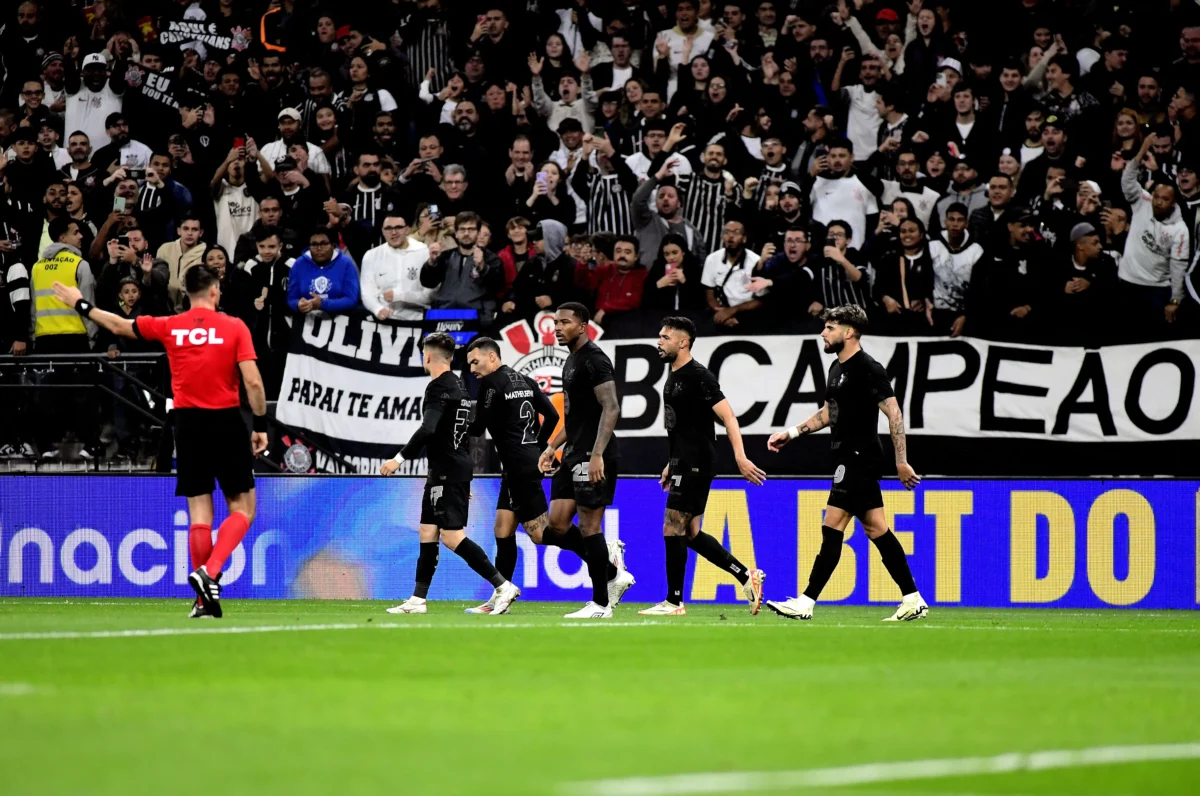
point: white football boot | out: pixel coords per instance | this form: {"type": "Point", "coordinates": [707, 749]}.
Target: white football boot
{"type": "Point", "coordinates": [752, 590]}
{"type": "Point", "coordinates": [912, 607]}
{"type": "Point", "coordinates": [793, 608]}
{"type": "Point", "coordinates": [506, 594]}
{"type": "Point", "coordinates": [487, 608]}
{"type": "Point", "coordinates": [591, 611]}
{"type": "Point", "coordinates": [413, 605]}
{"type": "Point", "coordinates": [664, 608]}
{"type": "Point", "coordinates": [623, 579]}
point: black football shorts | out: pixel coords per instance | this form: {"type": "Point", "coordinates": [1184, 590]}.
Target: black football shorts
{"type": "Point", "coordinates": [446, 505]}
{"type": "Point", "coordinates": [523, 495]}
{"type": "Point", "coordinates": [856, 487]}
{"type": "Point", "coordinates": [212, 445]}
{"type": "Point", "coordinates": [571, 482]}
{"type": "Point", "coordinates": [689, 488]}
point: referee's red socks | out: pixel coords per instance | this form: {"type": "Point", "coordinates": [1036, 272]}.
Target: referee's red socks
{"type": "Point", "coordinates": [229, 536]}
{"type": "Point", "coordinates": [200, 543]}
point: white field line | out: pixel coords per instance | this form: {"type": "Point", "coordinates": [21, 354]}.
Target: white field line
{"type": "Point", "coordinates": [16, 689]}
{"type": "Point", "coordinates": [870, 773]}
{"type": "Point", "coordinates": [216, 630]}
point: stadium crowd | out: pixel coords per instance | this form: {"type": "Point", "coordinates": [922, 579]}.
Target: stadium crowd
{"type": "Point", "coordinates": [1023, 170]}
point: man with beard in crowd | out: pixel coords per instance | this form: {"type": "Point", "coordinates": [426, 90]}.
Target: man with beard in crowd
{"type": "Point", "coordinates": [840, 192]}
{"type": "Point", "coordinates": [908, 185]}
{"type": "Point", "coordinates": [361, 207]}
{"type": "Point", "coordinates": [965, 189]}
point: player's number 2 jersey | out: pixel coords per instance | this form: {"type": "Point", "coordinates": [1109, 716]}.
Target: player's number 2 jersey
{"type": "Point", "coordinates": [509, 407]}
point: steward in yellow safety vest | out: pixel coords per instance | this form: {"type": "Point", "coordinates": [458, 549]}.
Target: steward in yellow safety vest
{"type": "Point", "coordinates": [57, 328]}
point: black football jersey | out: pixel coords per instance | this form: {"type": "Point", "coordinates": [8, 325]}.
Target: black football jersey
{"type": "Point", "coordinates": [584, 371]}
{"type": "Point", "coordinates": [689, 397]}
{"type": "Point", "coordinates": [855, 390]}
{"type": "Point", "coordinates": [446, 407]}
{"type": "Point", "coordinates": [509, 406]}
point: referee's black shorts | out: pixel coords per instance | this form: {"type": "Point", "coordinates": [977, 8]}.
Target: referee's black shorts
{"type": "Point", "coordinates": [572, 482]}
{"type": "Point", "coordinates": [689, 487]}
{"type": "Point", "coordinates": [522, 494]}
{"type": "Point", "coordinates": [212, 445]}
{"type": "Point", "coordinates": [856, 486]}
{"type": "Point", "coordinates": [446, 505]}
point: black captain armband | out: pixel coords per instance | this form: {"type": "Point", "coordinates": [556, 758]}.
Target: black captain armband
{"type": "Point", "coordinates": [84, 307]}
{"type": "Point", "coordinates": [260, 424]}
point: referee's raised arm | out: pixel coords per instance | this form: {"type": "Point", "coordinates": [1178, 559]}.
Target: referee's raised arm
{"type": "Point", "coordinates": [72, 297]}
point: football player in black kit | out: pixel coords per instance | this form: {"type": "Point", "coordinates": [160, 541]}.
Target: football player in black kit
{"type": "Point", "coordinates": [445, 413]}
{"type": "Point", "coordinates": [587, 480]}
{"type": "Point", "coordinates": [508, 408]}
{"type": "Point", "coordinates": [858, 385]}
{"type": "Point", "coordinates": [692, 397]}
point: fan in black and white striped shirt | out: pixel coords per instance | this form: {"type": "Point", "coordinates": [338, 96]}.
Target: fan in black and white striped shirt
{"type": "Point", "coordinates": [14, 308]}
{"type": "Point", "coordinates": [844, 275]}
{"type": "Point", "coordinates": [320, 92]}
{"type": "Point", "coordinates": [606, 183]}
{"type": "Point", "coordinates": [426, 36]}
{"type": "Point", "coordinates": [774, 170]}
{"type": "Point", "coordinates": [368, 201]}
{"type": "Point", "coordinates": [706, 196]}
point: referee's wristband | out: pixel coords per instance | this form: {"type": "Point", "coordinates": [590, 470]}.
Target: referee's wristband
{"type": "Point", "coordinates": [260, 424]}
{"type": "Point", "coordinates": [84, 307]}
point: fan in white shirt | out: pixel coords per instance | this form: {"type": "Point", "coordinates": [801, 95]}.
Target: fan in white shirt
{"type": "Point", "coordinates": [839, 195]}
{"type": "Point", "coordinates": [390, 277]}
{"type": "Point", "coordinates": [289, 130]}
{"type": "Point", "coordinates": [679, 44]}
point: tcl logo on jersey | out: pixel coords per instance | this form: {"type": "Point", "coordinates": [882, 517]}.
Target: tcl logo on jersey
{"type": "Point", "coordinates": [197, 336]}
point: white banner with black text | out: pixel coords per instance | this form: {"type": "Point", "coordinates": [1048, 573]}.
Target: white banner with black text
{"type": "Point", "coordinates": [354, 386]}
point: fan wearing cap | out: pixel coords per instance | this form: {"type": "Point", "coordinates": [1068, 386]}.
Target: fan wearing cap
{"type": "Point", "coordinates": [1156, 252]}
{"type": "Point", "coordinates": [1056, 152]}
{"type": "Point", "coordinates": [1010, 294]}
{"type": "Point", "coordinates": [887, 24]}
{"type": "Point", "coordinates": [121, 151]}
{"type": "Point", "coordinates": [289, 133]}
{"type": "Point", "coordinates": [656, 140]}
{"type": "Point", "coordinates": [965, 188]}
{"type": "Point", "coordinates": [1086, 284]}
{"type": "Point", "coordinates": [53, 82]}
{"type": "Point", "coordinates": [91, 97]}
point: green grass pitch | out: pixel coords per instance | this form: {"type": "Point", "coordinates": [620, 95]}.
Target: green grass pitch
{"type": "Point", "coordinates": [360, 702]}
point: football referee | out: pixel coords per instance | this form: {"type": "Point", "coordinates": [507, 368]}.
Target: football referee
{"type": "Point", "coordinates": [207, 351]}
{"type": "Point", "coordinates": [857, 386]}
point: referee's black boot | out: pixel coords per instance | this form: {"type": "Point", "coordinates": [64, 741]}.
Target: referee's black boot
{"type": "Point", "coordinates": [208, 590]}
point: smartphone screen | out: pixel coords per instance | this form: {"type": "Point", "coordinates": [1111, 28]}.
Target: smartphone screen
{"type": "Point", "coordinates": [119, 204]}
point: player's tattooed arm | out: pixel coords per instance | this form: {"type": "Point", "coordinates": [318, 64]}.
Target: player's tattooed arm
{"type": "Point", "coordinates": [908, 476]}
{"type": "Point", "coordinates": [896, 428]}
{"type": "Point", "coordinates": [610, 413]}
{"type": "Point", "coordinates": [815, 423]}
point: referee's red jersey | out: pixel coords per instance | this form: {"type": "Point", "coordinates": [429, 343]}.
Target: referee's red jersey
{"type": "Point", "coordinates": [204, 348]}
